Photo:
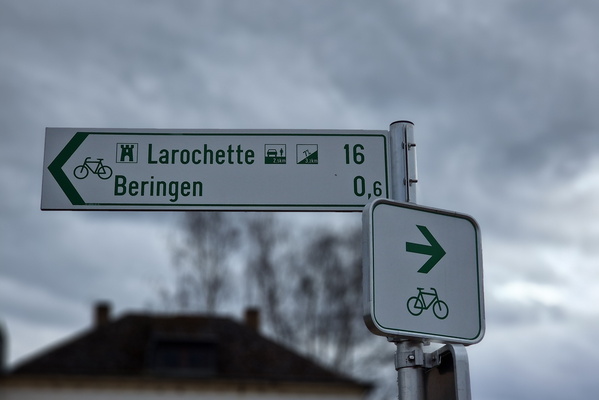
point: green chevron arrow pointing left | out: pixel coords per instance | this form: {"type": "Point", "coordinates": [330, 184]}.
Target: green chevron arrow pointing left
{"type": "Point", "coordinates": [55, 169]}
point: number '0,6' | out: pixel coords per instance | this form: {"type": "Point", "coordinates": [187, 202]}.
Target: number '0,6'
{"type": "Point", "coordinates": [354, 154]}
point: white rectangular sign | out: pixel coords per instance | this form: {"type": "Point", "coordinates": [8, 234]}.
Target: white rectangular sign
{"type": "Point", "coordinates": [108, 169]}
{"type": "Point", "coordinates": [422, 273]}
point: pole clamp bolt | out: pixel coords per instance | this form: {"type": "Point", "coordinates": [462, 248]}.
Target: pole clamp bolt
{"type": "Point", "coordinates": [411, 358]}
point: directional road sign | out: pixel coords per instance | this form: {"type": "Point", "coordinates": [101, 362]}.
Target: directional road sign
{"type": "Point", "coordinates": [423, 273]}
{"type": "Point", "coordinates": [107, 169]}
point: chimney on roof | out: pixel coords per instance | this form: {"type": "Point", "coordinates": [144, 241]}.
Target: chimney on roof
{"type": "Point", "coordinates": [252, 318]}
{"type": "Point", "coordinates": [101, 313]}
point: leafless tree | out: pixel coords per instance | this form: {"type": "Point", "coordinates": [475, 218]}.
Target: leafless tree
{"type": "Point", "coordinates": [263, 270]}
{"type": "Point", "coordinates": [311, 293]}
{"type": "Point", "coordinates": [307, 284]}
{"type": "Point", "coordinates": [309, 288]}
{"type": "Point", "coordinates": [202, 258]}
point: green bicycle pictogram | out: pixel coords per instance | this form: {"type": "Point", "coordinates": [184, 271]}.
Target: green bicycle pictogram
{"type": "Point", "coordinates": [417, 304]}
{"type": "Point", "coordinates": [96, 167]}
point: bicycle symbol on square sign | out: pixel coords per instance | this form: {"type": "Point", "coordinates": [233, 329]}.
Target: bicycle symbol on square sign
{"type": "Point", "coordinates": [425, 300]}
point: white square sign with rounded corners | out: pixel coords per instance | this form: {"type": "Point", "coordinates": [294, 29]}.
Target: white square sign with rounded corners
{"type": "Point", "coordinates": [422, 273]}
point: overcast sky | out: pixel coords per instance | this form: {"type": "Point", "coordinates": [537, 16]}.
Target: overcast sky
{"type": "Point", "coordinates": [504, 96]}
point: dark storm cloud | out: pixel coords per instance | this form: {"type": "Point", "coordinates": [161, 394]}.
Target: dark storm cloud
{"type": "Point", "coordinates": [519, 78]}
{"type": "Point", "coordinates": [522, 104]}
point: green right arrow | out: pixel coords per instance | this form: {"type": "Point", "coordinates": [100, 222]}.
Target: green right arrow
{"type": "Point", "coordinates": [433, 249]}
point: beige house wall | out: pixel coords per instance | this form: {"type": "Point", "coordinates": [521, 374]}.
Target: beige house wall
{"type": "Point", "coordinates": [24, 389]}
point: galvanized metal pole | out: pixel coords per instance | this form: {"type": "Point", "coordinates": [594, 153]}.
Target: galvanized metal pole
{"type": "Point", "coordinates": [409, 356]}
{"type": "Point", "coordinates": [409, 363]}
{"type": "Point", "coordinates": [404, 175]}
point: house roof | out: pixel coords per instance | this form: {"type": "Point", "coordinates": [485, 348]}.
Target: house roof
{"type": "Point", "coordinates": [177, 346]}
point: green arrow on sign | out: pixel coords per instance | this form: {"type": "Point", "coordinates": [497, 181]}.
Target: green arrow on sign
{"type": "Point", "coordinates": [433, 249]}
{"type": "Point", "coordinates": [62, 179]}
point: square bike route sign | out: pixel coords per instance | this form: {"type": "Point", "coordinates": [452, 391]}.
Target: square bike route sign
{"type": "Point", "coordinates": [422, 273]}
{"type": "Point", "coordinates": [245, 170]}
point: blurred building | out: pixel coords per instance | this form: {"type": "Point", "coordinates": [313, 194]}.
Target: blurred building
{"type": "Point", "coordinates": [148, 356]}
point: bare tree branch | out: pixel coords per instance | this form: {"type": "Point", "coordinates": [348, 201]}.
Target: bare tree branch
{"type": "Point", "coordinates": [308, 286]}
{"type": "Point", "coordinates": [202, 259]}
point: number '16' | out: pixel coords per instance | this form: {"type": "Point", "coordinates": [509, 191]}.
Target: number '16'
{"type": "Point", "coordinates": [356, 154]}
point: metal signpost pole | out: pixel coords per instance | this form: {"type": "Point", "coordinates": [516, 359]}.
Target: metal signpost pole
{"type": "Point", "coordinates": [403, 161]}
{"type": "Point", "coordinates": [409, 356]}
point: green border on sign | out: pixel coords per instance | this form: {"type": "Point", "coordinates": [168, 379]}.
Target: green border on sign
{"type": "Point", "coordinates": [406, 332]}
